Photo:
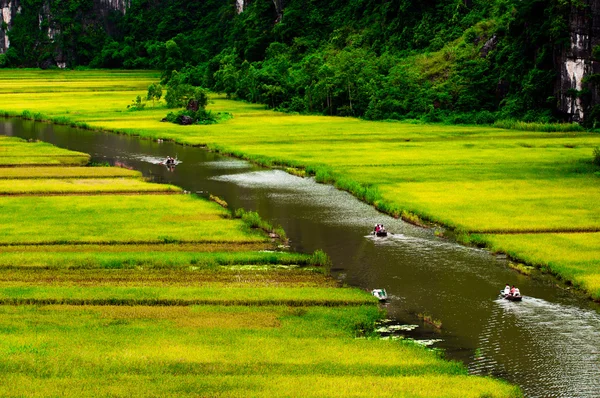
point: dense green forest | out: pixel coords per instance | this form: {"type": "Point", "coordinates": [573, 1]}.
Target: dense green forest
{"type": "Point", "coordinates": [457, 61]}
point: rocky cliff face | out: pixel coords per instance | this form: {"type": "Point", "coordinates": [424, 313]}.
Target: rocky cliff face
{"type": "Point", "coordinates": [8, 8]}
{"type": "Point", "coordinates": [239, 6]}
{"type": "Point", "coordinates": [576, 62]}
{"type": "Point", "coordinates": [279, 6]}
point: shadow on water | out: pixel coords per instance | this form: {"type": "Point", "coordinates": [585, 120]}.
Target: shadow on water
{"type": "Point", "coordinates": [548, 344]}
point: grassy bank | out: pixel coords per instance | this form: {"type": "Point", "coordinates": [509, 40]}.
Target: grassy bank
{"type": "Point", "coordinates": [579, 265]}
{"type": "Point", "coordinates": [171, 295]}
{"type": "Point", "coordinates": [474, 179]}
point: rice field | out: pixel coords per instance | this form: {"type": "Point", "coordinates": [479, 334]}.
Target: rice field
{"type": "Point", "coordinates": [67, 172]}
{"type": "Point", "coordinates": [106, 290]}
{"type": "Point", "coordinates": [110, 219]}
{"type": "Point", "coordinates": [82, 186]}
{"type": "Point", "coordinates": [579, 265]}
{"type": "Point", "coordinates": [17, 152]}
{"type": "Point", "coordinates": [156, 256]}
{"type": "Point", "coordinates": [218, 351]}
{"type": "Point", "coordinates": [472, 178]}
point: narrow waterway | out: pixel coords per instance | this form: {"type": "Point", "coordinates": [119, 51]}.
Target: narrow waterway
{"type": "Point", "coordinates": [549, 343]}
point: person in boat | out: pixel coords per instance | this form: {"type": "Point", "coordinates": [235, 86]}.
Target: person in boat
{"type": "Point", "coordinates": [170, 161]}
{"type": "Point", "coordinates": [516, 292]}
{"type": "Point", "coordinates": [512, 290]}
{"type": "Point", "coordinates": [507, 289]}
{"type": "Point", "coordinates": [377, 228]}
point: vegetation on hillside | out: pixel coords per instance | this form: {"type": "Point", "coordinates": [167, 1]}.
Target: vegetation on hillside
{"type": "Point", "coordinates": [458, 61]}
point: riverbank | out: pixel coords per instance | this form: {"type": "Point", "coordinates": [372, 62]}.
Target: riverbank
{"type": "Point", "coordinates": [97, 285]}
{"type": "Point", "coordinates": [477, 180]}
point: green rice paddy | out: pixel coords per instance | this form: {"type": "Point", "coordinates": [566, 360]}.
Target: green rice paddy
{"type": "Point", "coordinates": [81, 186]}
{"type": "Point", "coordinates": [218, 351]}
{"type": "Point", "coordinates": [112, 219]}
{"type": "Point", "coordinates": [471, 178]}
{"type": "Point", "coordinates": [18, 152]}
{"type": "Point", "coordinates": [580, 264]}
{"type": "Point", "coordinates": [67, 172]}
{"type": "Point", "coordinates": [113, 294]}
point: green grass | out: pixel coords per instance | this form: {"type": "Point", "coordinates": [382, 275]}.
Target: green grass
{"type": "Point", "coordinates": [65, 257]}
{"type": "Point", "coordinates": [67, 172]}
{"type": "Point", "coordinates": [231, 276]}
{"type": "Point", "coordinates": [18, 293]}
{"type": "Point", "coordinates": [111, 219]}
{"type": "Point", "coordinates": [82, 186]}
{"type": "Point", "coordinates": [218, 351]}
{"type": "Point", "coordinates": [580, 264]}
{"type": "Point", "coordinates": [18, 152]}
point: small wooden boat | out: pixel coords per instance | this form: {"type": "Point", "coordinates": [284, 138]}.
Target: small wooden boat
{"type": "Point", "coordinates": [381, 233]}
{"type": "Point", "coordinates": [381, 294]}
{"type": "Point", "coordinates": [170, 164]}
{"type": "Point", "coordinates": [510, 296]}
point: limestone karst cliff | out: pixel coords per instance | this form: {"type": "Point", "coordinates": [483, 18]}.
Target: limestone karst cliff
{"type": "Point", "coordinates": [9, 9]}
{"type": "Point", "coordinates": [576, 61]}
{"type": "Point", "coordinates": [98, 11]}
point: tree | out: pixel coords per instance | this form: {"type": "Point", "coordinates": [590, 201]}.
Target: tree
{"type": "Point", "coordinates": [180, 94]}
{"type": "Point", "coordinates": [154, 92]}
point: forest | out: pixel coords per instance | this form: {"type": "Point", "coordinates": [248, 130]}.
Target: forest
{"type": "Point", "coordinates": [455, 61]}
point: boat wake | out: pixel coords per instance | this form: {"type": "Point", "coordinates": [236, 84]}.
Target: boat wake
{"type": "Point", "coordinates": [563, 342]}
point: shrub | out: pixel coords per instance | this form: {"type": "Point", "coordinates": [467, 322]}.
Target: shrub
{"type": "Point", "coordinates": [596, 159]}
{"type": "Point", "coordinates": [137, 104]}
{"type": "Point", "coordinates": [320, 258]}
{"type": "Point", "coordinates": [186, 117]}
{"type": "Point", "coordinates": [485, 117]}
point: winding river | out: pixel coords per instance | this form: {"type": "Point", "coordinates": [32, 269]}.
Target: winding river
{"type": "Point", "coordinates": [549, 344]}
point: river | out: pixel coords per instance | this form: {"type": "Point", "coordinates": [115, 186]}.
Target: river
{"type": "Point", "coordinates": [549, 344]}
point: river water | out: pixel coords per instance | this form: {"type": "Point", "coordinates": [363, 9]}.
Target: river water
{"type": "Point", "coordinates": [549, 343]}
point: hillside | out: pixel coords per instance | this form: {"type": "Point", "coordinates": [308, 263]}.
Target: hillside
{"type": "Point", "coordinates": [458, 61]}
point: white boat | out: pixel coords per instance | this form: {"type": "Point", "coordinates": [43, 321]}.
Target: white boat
{"type": "Point", "coordinates": [381, 294]}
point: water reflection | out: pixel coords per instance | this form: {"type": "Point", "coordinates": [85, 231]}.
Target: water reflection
{"type": "Point", "coordinates": [548, 343]}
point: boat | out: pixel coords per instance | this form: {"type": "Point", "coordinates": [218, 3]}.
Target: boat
{"type": "Point", "coordinates": [174, 163]}
{"type": "Point", "coordinates": [379, 231]}
{"type": "Point", "coordinates": [381, 294]}
{"type": "Point", "coordinates": [510, 296]}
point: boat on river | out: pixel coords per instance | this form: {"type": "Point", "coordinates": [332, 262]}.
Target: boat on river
{"type": "Point", "coordinates": [170, 162]}
{"type": "Point", "coordinates": [379, 231]}
{"type": "Point", "coordinates": [381, 294]}
{"type": "Point", "coordinates": [510, 296]}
